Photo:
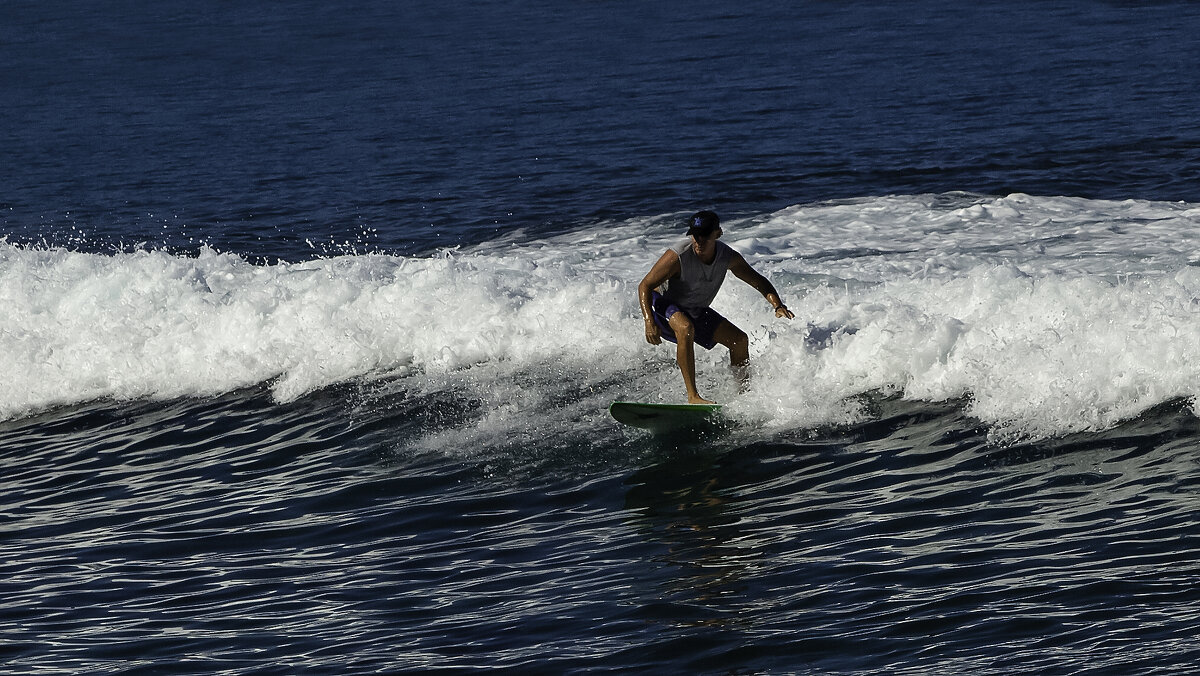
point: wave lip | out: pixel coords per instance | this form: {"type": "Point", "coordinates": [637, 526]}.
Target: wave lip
{"type": "Point", "coordinates": [152, 324]}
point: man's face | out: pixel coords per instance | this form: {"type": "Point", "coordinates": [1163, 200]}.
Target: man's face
{"type": "Point", "coordinates": [703, 246]}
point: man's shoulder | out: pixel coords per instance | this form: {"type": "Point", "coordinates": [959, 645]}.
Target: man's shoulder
{"type": "Point", "coordinates": [727, 252]}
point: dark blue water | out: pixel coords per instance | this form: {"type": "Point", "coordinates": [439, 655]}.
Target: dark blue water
{"type": "Point", "coordinates": [382, 523]}
{"type": "Point", "coordinates": [408, 126]}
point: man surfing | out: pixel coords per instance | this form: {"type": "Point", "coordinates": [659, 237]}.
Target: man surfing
{"type": "Point", "coordinates": [693, 271]}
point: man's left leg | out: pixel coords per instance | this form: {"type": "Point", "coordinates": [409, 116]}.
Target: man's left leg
{"type": "Point", "coordinates": [739, 350]}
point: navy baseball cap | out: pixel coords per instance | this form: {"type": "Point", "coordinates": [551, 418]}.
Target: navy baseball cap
{"type": "Point", "coordinates": [703, 224]}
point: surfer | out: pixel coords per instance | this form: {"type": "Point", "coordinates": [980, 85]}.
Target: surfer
{"type": "Point", "coordinates": [692, 272]}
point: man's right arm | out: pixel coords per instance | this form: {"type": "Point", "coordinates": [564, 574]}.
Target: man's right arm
{"type": "Point", "coordinates": [666, 268]}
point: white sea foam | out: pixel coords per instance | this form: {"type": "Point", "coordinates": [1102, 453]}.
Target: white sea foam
{"type": "Point", "coordinates": [1046, 315]}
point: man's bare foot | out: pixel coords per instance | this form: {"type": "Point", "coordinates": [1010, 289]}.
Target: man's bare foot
{"type": "Point", "coordinates": [699, 400]}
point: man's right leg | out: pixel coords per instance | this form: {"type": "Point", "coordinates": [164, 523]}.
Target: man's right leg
{"type": "Point", "coordinates": [685, 354]}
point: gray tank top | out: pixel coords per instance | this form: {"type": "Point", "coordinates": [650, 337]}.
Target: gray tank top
{"type": "Point", "coordinates": [697, 283]}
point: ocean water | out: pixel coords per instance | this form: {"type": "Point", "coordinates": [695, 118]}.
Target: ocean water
{"type": "Point", "coordinates": [313, 312]}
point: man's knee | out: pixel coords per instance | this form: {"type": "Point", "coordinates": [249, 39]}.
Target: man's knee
{"type": "Point", "coordinates": [682, 326]}
{"type": "Point", "coordinates": [732, 337]}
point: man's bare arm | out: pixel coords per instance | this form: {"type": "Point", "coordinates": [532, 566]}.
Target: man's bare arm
{"type": "Point", "coordinates": [666, 268]}
{"type": "Point", "coordinates": [742, 270]}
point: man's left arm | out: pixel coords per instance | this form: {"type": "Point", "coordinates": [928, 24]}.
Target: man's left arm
{"type": "Point", "coordinates": [742, 270]}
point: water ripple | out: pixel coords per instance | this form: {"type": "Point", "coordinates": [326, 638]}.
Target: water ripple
{"type": "Point", "coordinates": [233, 535]}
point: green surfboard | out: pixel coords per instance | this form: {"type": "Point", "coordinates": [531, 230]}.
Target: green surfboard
{"type": "Point", "coordinates": [659, 418]}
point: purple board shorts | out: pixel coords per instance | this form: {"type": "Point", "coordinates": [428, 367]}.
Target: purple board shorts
{"type": "Point", "coordinates": [705, 322]}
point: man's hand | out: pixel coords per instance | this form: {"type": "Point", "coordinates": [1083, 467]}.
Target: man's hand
{"type": "Point", "coordinates": [653, 336]}
{"type": "Point", "coordinates": [783, 311]}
